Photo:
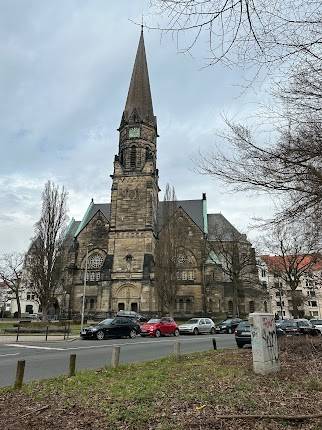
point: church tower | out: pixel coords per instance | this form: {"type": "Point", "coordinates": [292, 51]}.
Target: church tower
{"type": "Point", "coordinates": [134, 196]}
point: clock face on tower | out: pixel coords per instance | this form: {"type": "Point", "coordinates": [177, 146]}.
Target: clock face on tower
{"type": "Point", "coordinates": [134, 132]}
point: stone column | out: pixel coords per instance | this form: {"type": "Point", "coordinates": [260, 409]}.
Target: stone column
{"type": "Point", "coordinates": [264, 343]}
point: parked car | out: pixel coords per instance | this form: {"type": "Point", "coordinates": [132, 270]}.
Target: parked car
{"type": "Point", "coordinates": [112, 327]}
{"type": "Point", "coordinates": [299, 327]}
{"type": "Point", "coordinates": [243, 334]}
{"type": "Point", "coordinates": [198, 326]}
{"type": "Point", "coordinates": [134, 315]}
{"type": "Point", "coordinates": [317, 324]}
{"type": "Point", "coordinates": [228, 326]}
{"type": "Point", "coordinates": [160, 327]}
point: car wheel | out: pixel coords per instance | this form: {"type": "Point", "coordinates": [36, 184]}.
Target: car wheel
{"type": "Point", "coordinates": [132, 334]}
{"type": "Point", "coordinates": [176, 332]}
{"type": "Point", "coordinates": [212, 331]}
{"type": "Point", "coordinates": [229, 331]}
{"type": "Point", "coordinates": [195, 331]}
{"type": "Point", "coordinates": [100, 335]}
{"type": "Point", "coordinates": [157, 333]}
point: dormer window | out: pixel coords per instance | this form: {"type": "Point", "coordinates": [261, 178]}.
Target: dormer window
{"type": "Point", "coordinates": [134, 132]}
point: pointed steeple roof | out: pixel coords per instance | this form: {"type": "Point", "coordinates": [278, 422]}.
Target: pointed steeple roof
{"type": "Point", "coordinates": [139, 100]}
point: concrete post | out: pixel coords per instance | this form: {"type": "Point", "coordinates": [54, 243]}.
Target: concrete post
{"type": "Point", "coordinates": [115, 356]}
{"type": "Point", "coordinates": [264, 343]}
{"type": "Point", "coordinates": [177, 350]}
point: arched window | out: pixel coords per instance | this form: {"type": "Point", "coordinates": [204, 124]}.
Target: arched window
{"type": "Point", "coordinates": [230, 307]}
{"type": "Point", "coordinates": [95, 261]}
{"type": "Point", "coordinates": [133, 157]}
{"type": "Point", "coordinates": [251, 306]}
{"type": "Point", "coordinates": [265, 307]}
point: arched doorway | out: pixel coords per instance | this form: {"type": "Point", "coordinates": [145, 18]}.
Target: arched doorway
{"type": "Point", "coordinates": [127, 298]}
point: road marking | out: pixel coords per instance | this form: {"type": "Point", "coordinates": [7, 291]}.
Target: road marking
{"type": "Point", "coordinates": [35, 347]}
{"type": "Point", "coordinates": [5, 355]}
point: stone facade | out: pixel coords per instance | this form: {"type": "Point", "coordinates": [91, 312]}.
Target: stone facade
{"type": "Point", "coordinates": [117, 241]}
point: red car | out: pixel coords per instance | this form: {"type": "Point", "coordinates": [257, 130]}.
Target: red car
{"type": "Point", "coordinates": [160, 327]}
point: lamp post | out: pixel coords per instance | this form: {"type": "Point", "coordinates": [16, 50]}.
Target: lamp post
{"type": "Point", "coordinates": [84, 287]}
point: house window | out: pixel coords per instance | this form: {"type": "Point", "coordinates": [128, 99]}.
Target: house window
{"type": "Point", "coordinates": [279, 293]}
{"type": "Point", "coordinates": [264, 284]}
{"type": "Point", "coordinates": [230, 307]}
{"type": "Point", "coordinates": [263, 273]}
{"type": "Point", "coordinates": [265, 307]}
{"type": "Point", "coordinates": [92, 304]}
{"type": "Point", "coordinates": [313, 303]}
{"type": "Point", "coordinates": [279, 304]}
{"type": "Point", "coordinates": [311, 293]}
{"type": "Point", "coordinates": [251, 306]}
{"type": "Point", "coordinates": [93, 276]}
{"type": "Point", "coordinates": [28, 296]}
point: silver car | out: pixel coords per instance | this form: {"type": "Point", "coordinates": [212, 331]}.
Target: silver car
{"type": "Point", "coordinates": [198, 326]}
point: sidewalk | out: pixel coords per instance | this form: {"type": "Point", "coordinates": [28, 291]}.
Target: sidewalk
{"type": "Point", "coordinates": [33, 338]}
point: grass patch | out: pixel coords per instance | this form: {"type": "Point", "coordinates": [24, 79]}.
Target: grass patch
{"type": "Point", "coordinates": [166, 394]}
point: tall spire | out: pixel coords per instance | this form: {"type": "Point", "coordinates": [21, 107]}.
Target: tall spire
{"type": "Point", "coordinates": [139, 100]}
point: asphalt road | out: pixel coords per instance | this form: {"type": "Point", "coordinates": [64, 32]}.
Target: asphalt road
{"type": "Point", "coordinates": [49, 359]}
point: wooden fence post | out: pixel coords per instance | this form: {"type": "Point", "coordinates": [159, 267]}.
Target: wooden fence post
{"type": "Point", "coordinates": [115, 356]}
{"type": "Point", "coordinates": [72, 365]}
{"type": "Point", "coordinates": [19, 374]}
{"type": "Point", "coordinates": [177, 350]}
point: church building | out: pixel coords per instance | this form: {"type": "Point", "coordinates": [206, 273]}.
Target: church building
{"type": "Point", "coordinates": [115, 243]}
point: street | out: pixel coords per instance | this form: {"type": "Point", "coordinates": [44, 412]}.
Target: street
{"type": "Point", "coordinates": [49, 359]}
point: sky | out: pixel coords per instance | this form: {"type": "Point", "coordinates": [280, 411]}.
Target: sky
{"type": "Point", "coordinates": [64, 76]}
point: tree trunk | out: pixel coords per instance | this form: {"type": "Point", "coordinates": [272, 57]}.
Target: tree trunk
{"type": "Point", "coordinates": [18, 306]}
{"type": "Point", "coordinates": [44, 308]}
{"type": "Point", "coordinates": [235, 298]}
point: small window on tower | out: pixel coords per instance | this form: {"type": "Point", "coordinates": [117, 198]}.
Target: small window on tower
{"type": "Point", "coordinates": [133, 157]}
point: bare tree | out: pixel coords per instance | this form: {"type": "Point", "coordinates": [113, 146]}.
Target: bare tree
{"type": "Point", "coordinates": [244, 30]}
{"type": "Point", "coordinates": [169, 248]}
{"type": "Point", "coordinates": [11, 267]}
{"type": "Point", "coordinates": [237, 258]}
{"type": "Point", "coordinates": [296, 252]}
{"type": "Point", "coordinates": [44, 259]}
{"type": "Point", "coordinates": [291, 167]}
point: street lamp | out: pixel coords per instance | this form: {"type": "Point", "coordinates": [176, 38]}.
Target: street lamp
{"type": "Point", "coordinates": [84, 288]}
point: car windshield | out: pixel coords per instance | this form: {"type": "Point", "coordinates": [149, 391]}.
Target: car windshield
{"type": "Point", "coordinates": [243, 325]}
{"type": "Point", "coordinates": [153, 321]}
{"type": "Point", "coordinates": [316, 322]}
{"type": "Point", "coordinates": [192, 321]}
{"type": "Point", "coordinates": [289, 324]}
{"type": "Point", "coordinates": [226, 322]}
{"type": "Point", "coordinates": [105, 322]}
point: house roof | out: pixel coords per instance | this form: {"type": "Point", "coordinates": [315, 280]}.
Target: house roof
{"type": "Point", "coordinates": [220, 228]}
{"type": "Point", "coordinates": [92, 209]}
{"type": "Point", "coordinates": [193, 208]}
{"type": "Point", "coordinates": [277, 263]}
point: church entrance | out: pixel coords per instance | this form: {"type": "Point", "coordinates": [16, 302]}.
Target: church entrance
{"type": "Point", "coordinates": [134, 306]}
{"type": "Point", "coordinates": [121, 306]}
{"type": "Point", "coordinates": [127, 298]}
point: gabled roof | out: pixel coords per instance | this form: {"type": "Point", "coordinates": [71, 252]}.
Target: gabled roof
{"type": "Point", "coordinates": [220, 227]}
{"type": "Point", "coordinates": [72, 228]}
{"type": "Point", "coordinates": [92, 209]}
{"type": "Point", "coordinates": [139, 100]}
{"type": "Point", "coordinates": [194, 208]}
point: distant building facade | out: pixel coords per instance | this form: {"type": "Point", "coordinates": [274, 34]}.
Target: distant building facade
{"type": "Point", "coordinates": [280, 293]}
{"type": "Point", "coordinates": [116, 241]}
